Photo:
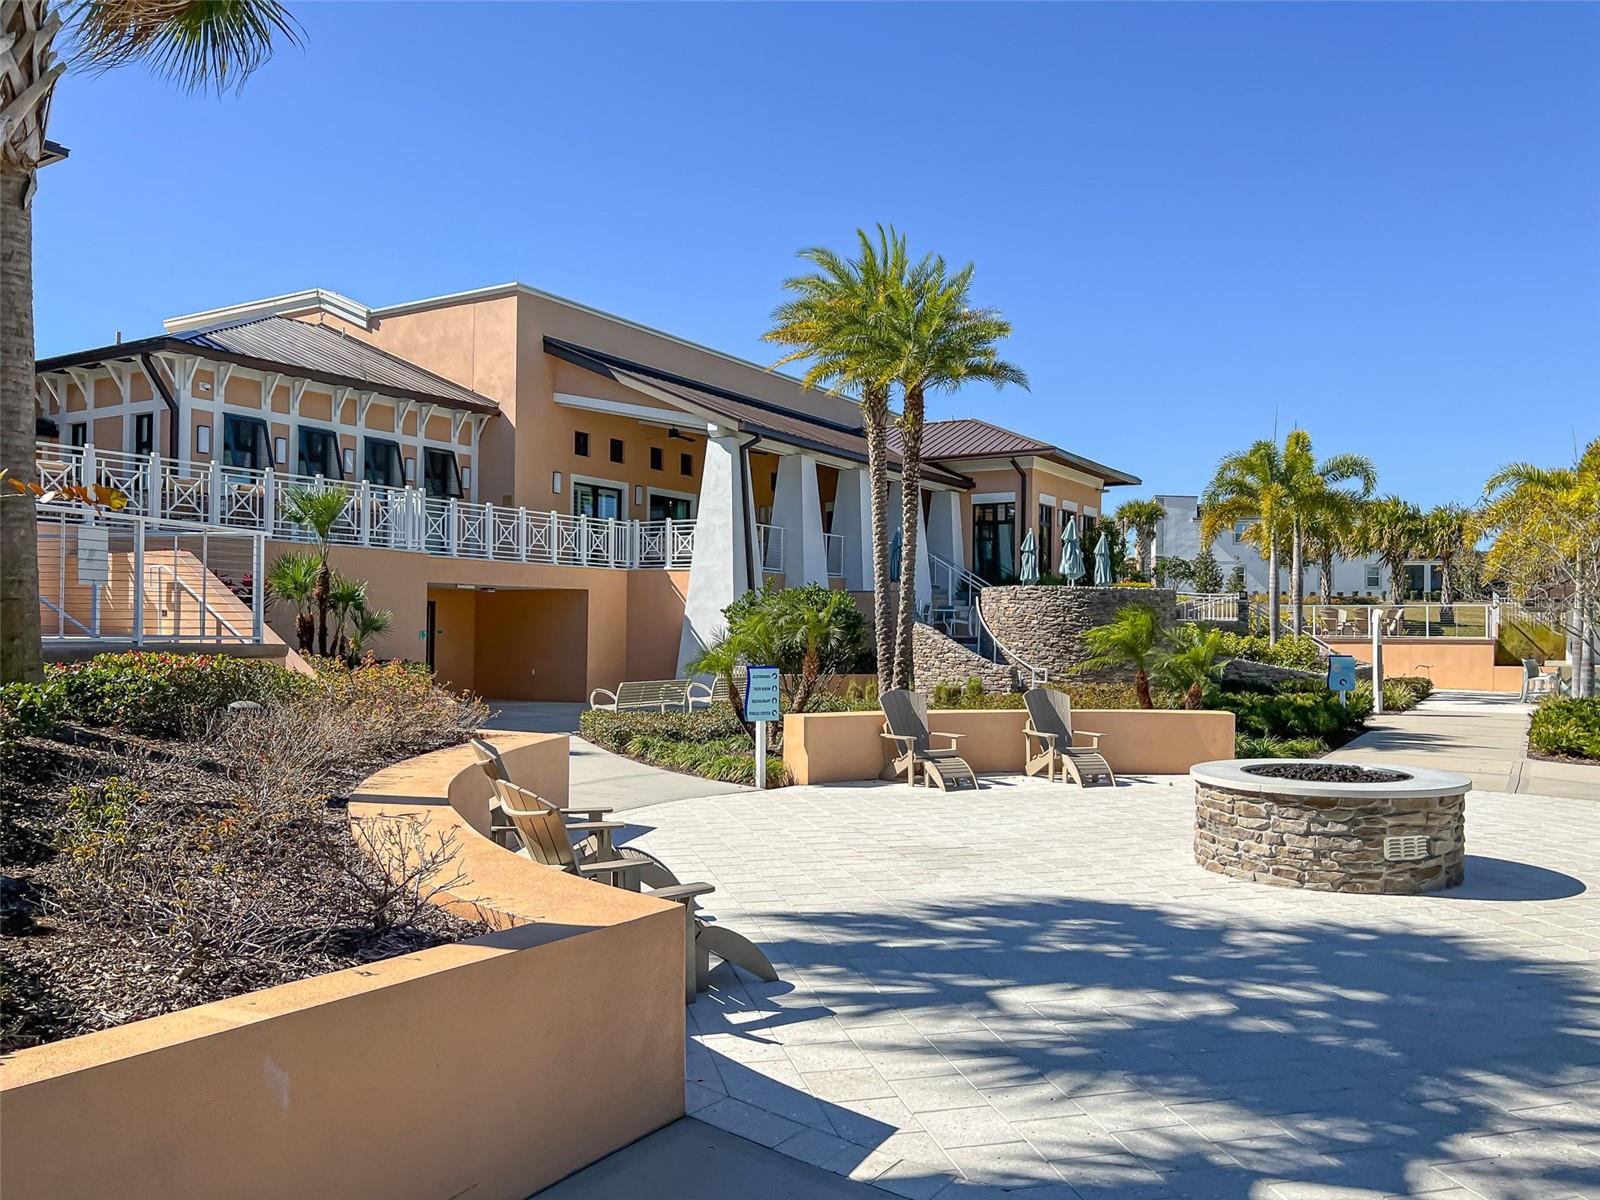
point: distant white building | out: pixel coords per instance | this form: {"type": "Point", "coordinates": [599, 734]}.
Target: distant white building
{"type": "Point", "coordinates": [1178, 536]}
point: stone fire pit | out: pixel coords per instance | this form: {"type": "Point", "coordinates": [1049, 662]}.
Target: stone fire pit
{"type": "Point", "coordinates": [1331, 826]}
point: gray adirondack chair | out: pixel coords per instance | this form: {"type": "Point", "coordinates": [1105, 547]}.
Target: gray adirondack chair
{"type": "Point", "coordinates": [905, 724]}
{"type": "Point", "coordinates": [545, 839]}
{"type": "Point", "coordinates": [592, 842]}
{"type": "Point", "coordinates": [1047, 742]}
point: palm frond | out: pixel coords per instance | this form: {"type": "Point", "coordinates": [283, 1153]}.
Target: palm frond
{"type": "Point", "coordinates": [198, 44]}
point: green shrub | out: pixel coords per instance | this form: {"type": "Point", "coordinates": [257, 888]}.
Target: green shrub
{"type": "Point", "coordinates": [1420, 684]}
{"type": "Point", "coordinates": [709, 743]}
{"type": "Point", "coordinates": [1296, 714]}
{"type": "Point", "coordinates": [1253, 746]}
{"type": "Point", "coordinates": [98, 817]}
{"type": "Point", "coordinates": [1568, 727]}
{"type": "Point", "coordinates": [1299, 652]}
{"type": "Point", "coordinates": [31, 708]}
{"type": "Point", "coordinates": [164, 695]}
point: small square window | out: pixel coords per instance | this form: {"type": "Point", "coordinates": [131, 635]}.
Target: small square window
{"type": "Point", "coordinates": [616, 450]}
{"type": "Point", "coordinates": [80, 433]}
{"type": "Point", "coordinates": [1373, 580]}
{"type": "Point", "coordinates": [144, 433]}
{"type": "Point", "coordinates": [655, 458]}
{"type": "Point", "coordinates": [580, 444]}
{"type": "Point", "coordinates": [686, 464]}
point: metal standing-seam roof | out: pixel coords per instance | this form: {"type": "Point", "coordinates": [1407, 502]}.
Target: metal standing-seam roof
{"type": "Point", "coordinates": [968, 437]}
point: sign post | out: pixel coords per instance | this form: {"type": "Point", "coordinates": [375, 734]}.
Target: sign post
{"type": "Point", "coordinates": [1377, 660]}
{"type": "Point", "coordinates": [1342, 676]}
{"type": "Point", "coordinates": [761, 706]}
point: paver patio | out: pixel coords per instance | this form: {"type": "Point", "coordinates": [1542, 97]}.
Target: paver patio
{"type": "Point", "coordinates": [1035, 988]}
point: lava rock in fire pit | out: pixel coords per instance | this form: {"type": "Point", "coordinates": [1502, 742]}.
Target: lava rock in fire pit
{"type": "Point", "coordinates": [1317, 772]}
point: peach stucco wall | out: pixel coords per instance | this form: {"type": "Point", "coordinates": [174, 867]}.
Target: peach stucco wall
{"type": "Point", "coordinates": [490, 1068]}
{"type": "Point", "coordinates": [833, 747]}
{"type": "Point", "coordinates": [1465, 663]}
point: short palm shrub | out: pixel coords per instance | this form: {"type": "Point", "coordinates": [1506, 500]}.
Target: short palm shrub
{"type": "Point", "coordinates": [1130, 639]}
{"type": "Point", "coordinates": [1567, 727]}
{"type": "Point", "coordinates": [1296, 714]}
{"type": "Point", "coordinates": [1248, 745]}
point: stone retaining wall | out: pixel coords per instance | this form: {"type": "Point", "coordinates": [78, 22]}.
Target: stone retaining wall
{"type": "Point", "coordinates": [1046, 625]}
{"type": "Point", "coordinates": [941, 659]}
{"type": "Point", "coordinates": [1329, 843]}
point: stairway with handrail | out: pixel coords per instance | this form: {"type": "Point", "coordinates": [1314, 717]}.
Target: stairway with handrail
{"type": "Point", "coordinates": [956, 592]}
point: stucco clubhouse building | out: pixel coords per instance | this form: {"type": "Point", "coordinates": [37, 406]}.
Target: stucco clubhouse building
{"type": "Point", "coordinates": [548, 497]}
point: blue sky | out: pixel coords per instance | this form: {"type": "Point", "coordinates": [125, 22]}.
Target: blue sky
{"type": "Point", "coordinates": [1379, 221]}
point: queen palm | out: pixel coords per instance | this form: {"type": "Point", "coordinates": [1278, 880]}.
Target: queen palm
{"type": "Point", "coordinates": [319, 510]}
{"type": "Point", "coordinates": [936, 341]}
{"type": "Point", "coordinates": [1446, 533]}
{"type": "Point", "coordinates": [1252, 486]}
{"type": "Point", "coordinates": [1131, 639]}
{"type": "Point", "coordinates": [195, 43]}
{"type": "Point", "coordinates": [1141, 518]}
{"type": "Point", "coordinates": [1391, 530]}
{"type": "Point", "coordinates": [1313, 492]}
{"type": "Point", "coordinates": [834, 322]}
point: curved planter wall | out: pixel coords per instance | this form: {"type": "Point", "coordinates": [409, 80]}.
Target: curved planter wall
{"type": "Point", "coordinates": [1331, 837]}
{"type": "Point", "coordinates": [1046, 625]}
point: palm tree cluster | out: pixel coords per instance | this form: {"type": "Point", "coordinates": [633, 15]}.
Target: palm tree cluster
{"type": "Point", "coordinates": [870, 325]}
{"type": "Point", "coordinates": [1187, 658]}
{"type": "Point", "coordinates": [1141, 518]}
{"type": "Point", "coordinates": [345, 624]}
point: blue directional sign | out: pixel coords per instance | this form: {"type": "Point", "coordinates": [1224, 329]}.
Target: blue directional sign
{"type": "Point", "coordinates": [761, 693]}
{"type": "Point", "coordinates": [1341, 673]}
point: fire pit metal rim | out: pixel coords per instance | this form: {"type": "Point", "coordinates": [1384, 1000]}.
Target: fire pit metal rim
{"type": "Point", "coordinates": [1424, 781]}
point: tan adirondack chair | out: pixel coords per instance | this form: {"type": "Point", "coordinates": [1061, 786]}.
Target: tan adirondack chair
{"type": "Point", "coordinates": [594, 844]}
{"type": "Point", "coordinates": [1047, 742]}
{"type": "Point", "coordinates": [544, 837]}
{"type": "Point", "coordinates": [905, 724]}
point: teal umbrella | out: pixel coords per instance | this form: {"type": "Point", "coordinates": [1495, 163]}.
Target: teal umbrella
{"type": "Point", "coordinates": [1030, 560]}
{"type": "Point", "coordinates": [895, 551]}
{"type": "Point", "coordinates": [1071, 551]}
{"type": "Point", "coordinates": [1102, 561]}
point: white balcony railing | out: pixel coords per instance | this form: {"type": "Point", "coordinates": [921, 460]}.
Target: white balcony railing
{"type": "Point", "coordinates": [1474, 619]}
{"type": "Point", "coordinates": [245, 498]}
{"type": "Point", "coordinates": [769, 540]}
{"type": "Point", "coordinates": [1220, 607]}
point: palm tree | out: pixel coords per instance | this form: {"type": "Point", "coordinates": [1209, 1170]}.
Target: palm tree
{"type": "Point", "coordinates": [1328, 535]}
{"type": "Point", "coordinates": [1190, 662]}
{"type": "Point", "coordinates": [1446, 533]}
{"type": "Point", "coordinates": [292, 578]}
{"type": "Point", "coordinates": [1312, 492]}
{"type": "Point", "coordinates": [368, 623]}
{"type": "Point", "coordinates": [1132, 639]}
{"type": "Point", "coordinates": [1141, 518]}
{"type": "Point", "coordinates": [819, 631]}
{"type": "Point", "coordinates": [937, 342]}
{"type": "Point", "coordinates": [346, 598]}
{"type": "Point", "coordinates": [1251, 486]}
{"type": "Point", "coordinates": [319, 510]}
{"type": "Point", "coordinates": [834, 321]}
{"type": "Point", "coordinates": [1390, 529]}
{"type": "Point", "coordinates": [197, 44]}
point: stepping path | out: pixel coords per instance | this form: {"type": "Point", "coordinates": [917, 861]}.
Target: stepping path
{"type": "Point", "coordinates": [1483, 735]}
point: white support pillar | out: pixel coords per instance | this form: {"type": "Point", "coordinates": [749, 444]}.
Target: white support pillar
{"type": "Point", "coordinates": [852, 517]}
{"type": "Point", "coordinates": [944, 528]}
{"type": "Point", "coordinates": [719, 570]}
{"type": "Point", "coordinates": [797, 510]}
{"type": "Point", "coordinates": [924, 580]}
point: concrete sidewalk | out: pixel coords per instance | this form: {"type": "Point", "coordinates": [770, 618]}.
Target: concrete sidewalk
{"type": "Point", "coordinates": [1481, 734]}
{"type": "Point", "coordinates": [598, 776]}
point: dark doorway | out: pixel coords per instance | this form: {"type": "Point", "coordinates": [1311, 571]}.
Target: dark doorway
{"type": "Point", "coordinates": [430, 627]}
{"type": "Point", "coordinates": [994, 540]}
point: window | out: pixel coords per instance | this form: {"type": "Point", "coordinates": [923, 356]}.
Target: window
{"type": "Point", "coordinates": [144, 433]}
{"type": "Point", "coordinates": [616, 450]}
{"type": "Point", "coordinates": [668, 508]}
{"type": "Point", "coordinates": [1240, 528]}
{"type": "Point", "coordinates": [655, 458]}
{"type": "Point", "coordinates": [440, 475]}
{"type": "Point", "coordinates": [1046, 538]}
{"type": "Point", "coordinates": [380, 462]}
{"type": "Point", "coordinates": [580, 444]}
{"type": "Point", "coordinates": [1373, 579]}
{"type": "Point", "coordinates": [245, 443]}
{"type": "Point", "coordinates": [319, 453]}
{"type": "Point", "coordinates": [994, 541]}
{"type": "Point", "coordinates": [685, 464]}
{"type": "Point", "coordinates": [79, 431]}
{"type": "Point", "coordinates": [592, 500]}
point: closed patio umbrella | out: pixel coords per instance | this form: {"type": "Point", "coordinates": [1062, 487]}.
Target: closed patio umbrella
{"type": "Point", "coordinates": [1102, 561]}
{"type": "Point", "coordinates": [895, 551]}
{"type": "Point", "coordinates": [1030, 560]}
{"type": "Point", "coordinates": [1071, 551]}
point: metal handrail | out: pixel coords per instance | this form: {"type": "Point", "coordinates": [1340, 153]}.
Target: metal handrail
{"type": "Point", "coordinates": [975, 586]}
{"type": "Point", "coordinates": [207, 612]}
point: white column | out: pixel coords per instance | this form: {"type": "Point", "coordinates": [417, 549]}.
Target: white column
{"type": "Point", "coordinates": [924, 580]}
{"type": "Point", "coordinates": [852, 517]}
{"type": "Point", "coordinates": [797, 510]}
{"type": "Point", "coordinates": [719, 568]}
{"type": "Point", "coordinates": [944, 528]}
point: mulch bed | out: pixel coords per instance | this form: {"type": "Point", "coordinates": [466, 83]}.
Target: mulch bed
{"type": "Point", "coordinates": [1325, 772]}
{"type": "Point", "coordinates": [201, 900]}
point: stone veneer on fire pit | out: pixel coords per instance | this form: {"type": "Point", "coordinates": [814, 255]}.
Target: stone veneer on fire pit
{"type": "Point", "coordinates": [1330, 837]}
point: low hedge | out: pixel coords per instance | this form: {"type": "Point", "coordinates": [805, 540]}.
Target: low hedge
{"type": "Point", "coordinates": [710, 743]}
{"type": "Point", "coordinates": [1566, 727]}
{"type": "Point", "coordinates": [1251, 746]}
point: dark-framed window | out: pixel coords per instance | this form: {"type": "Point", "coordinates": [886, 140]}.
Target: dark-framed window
{"type": "Point", "coordinates": [78, 431]}
{"type": "Point", "coordinates": [685, 464]}
{"type": "Point", "coordinates": [994, 541]}
{"type": "Point", "coordinates": [668, 508]}
{"type": "Point", "coordinates": [381, 462]}
{"type": "Point", "coordinates": [245, 443]}
{"type": "Point", "coordinates": [441, 476]}
{"type": "Point", "coordinates": [655, 458]}
{"type": "Point", "coordinates": [319, 453]}
{"type": "Point", "coordinates": [617, 450]}
{"type": "Point", "coordinates": [1047, 514]}
{"type": "Point", "coordinates": [580, 444]}
{"type": "Point", "coordinates": [144, 433]}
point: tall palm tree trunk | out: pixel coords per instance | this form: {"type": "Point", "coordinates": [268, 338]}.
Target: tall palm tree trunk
{"type": "Point", "coordinates": [875, 419]}
{"type": "Point", "coordinates": [1325, 580]}
{"type": "Point", "coordinates": [1447, 587]}
{"type": "Point", "coordinates": [320, 597]}
{"type": "Point", "coordinates": [1274, 623]}
{"type": "Point", "coordinates": [910, 511]}
{"type": "Point", "coordinates": [1297, 581]}
{"type": "Point", "coordinates": [19, 546]}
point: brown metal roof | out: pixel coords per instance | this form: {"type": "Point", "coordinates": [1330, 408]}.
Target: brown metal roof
{"type": "Point", "coordinates": [298, 348]}
{"type": "Point", "coordinates": [968, 437]}
{"type": "Point", "coordinates": [746, 413]}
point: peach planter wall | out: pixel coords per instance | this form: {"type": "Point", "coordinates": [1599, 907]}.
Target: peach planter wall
{"type": "Point", "coordinates": [1450, 662]}
{"type": "Point", "coordinates": [487, 1069]}
{"type": "Point", "coordinates": [833, 747]}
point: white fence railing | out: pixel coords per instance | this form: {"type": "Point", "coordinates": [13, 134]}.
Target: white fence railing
{"type": "Point", "coordinates": [1413, 620]}
{"type": "Point", "coordinates": [769, 541]}
{"type": "Point", "coordinates": [112, 577]}
{"type": "Point", "coordinates": [245, 498]}
{"type": "Point", "coordinates": [1220, 607]}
